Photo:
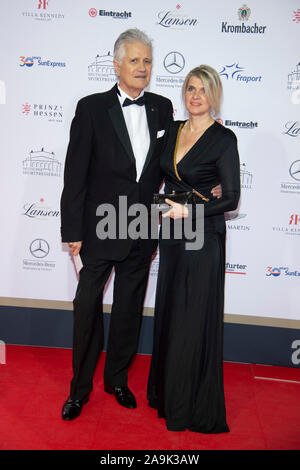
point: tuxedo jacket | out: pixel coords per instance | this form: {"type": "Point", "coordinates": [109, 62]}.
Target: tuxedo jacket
{"type": "Point", "coordinates": [100, 167]}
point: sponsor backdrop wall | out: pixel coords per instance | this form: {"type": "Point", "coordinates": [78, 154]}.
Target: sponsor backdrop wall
{"type": "Point", "coordinates": [57, 51]}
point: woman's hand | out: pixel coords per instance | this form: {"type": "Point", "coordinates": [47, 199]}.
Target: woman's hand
{"type": "Point", "coordinates": [75, 247]}
{"type": "Point", "coordinates": [217, 191]}
{"type": "Point", "coordinates": [177, 211]}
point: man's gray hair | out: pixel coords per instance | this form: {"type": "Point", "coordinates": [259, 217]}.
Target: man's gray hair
{"type": "Point", "coordinates": [129, 36]}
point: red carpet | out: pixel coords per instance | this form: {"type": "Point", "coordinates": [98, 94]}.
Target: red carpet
{"type": "Point", "coordinates": [263, 413]}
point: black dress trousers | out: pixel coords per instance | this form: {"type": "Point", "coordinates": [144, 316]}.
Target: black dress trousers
{"type": "Point", "coordinates": [130, 283]}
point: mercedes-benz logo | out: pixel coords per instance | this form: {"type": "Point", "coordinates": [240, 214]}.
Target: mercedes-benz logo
{"type": "Point", "coordinates": [39, 248]}
{"type": "Point", "coordinates": [295, 170]}
{"type": "Point", "coordinates": [174, 62]}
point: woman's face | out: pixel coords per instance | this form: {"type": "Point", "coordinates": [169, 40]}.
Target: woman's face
{"type": "Point", "coordinates": [196, 101]}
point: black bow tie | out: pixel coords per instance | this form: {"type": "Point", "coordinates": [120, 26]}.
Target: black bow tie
{"type": "Point", "coordinates": [140, 101]}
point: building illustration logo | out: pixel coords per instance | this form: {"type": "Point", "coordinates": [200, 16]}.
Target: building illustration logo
{"type": "Point", "coordinates": [42, 163]}
{"type": "Point", "coordinates": [102, 69]}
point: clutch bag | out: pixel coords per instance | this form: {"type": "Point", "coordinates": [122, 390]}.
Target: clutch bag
{"type": "Point", "coordinates": [186, 197]}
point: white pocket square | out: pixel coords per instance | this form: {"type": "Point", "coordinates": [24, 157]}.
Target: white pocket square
{"type": "Point", "coordinates": [160, 133]}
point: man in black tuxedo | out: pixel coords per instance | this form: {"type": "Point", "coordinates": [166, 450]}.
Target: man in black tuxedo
{"type": "Point", "coordinates": [113, 151]}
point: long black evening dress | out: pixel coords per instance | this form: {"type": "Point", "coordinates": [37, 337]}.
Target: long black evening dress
{"type": "Point", "coordinates": [185, 383]}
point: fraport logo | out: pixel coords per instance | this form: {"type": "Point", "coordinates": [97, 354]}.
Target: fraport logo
{"type": "Point", "coordinates": [284, 271]}
{"type": "Point", "coordinates": [236, 72]}
{"type": "Point", "coordinates": [37, 60]}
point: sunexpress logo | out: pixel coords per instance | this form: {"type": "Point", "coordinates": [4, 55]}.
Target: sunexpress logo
{"type": "Point", "coordinates": [37, 60]}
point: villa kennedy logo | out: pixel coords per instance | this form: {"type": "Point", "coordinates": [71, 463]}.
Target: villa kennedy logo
{"type": "Point", "coordinates": [173, 64]}
{"type": "Point", "coordinates": [176, 19]}
{"type": "Point", "coordinates": [43, 10]}
{"type": "Point", "coordinates": [236, 72]}
{"type": "Point", "coordinates": [119, 15]}
{"type": "Point", "coordinates": [291, 226]}
{"type": "Point", "coordinates": [244, 14]}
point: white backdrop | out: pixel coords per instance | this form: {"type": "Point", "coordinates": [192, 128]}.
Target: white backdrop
{"type": "Point", "coordinates": [55, 52]}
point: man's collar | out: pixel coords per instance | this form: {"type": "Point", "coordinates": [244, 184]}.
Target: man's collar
{"type": "Point", "coordinates": [122, 95]}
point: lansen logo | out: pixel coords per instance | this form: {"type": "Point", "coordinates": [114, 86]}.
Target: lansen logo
{"type": "Point", "coordinates": [292, 129]}
{"type": "Point", "coordinates": [175, 19]}
{"type": "Point", "coordinates": [234, 72]}
{"type": "Point", "coordinates": [39, 211]}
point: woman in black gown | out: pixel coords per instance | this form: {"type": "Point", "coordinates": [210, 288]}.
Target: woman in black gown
{"type": "Point", "coordinates": [185, 383]}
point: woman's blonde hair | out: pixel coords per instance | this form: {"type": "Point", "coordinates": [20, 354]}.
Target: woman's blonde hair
{"type": "Point", "coordinates": [211, 82]}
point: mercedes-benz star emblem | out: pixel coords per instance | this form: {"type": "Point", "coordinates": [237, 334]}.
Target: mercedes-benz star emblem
{"type": "Point", "coordinates": [295, 170]}
{"type": "Point", "coordinates": [174, 62]}
{"type": "Point", "coordinates": [39, 248]}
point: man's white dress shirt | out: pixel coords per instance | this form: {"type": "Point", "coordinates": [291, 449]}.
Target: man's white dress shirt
{"type": "Point", "coordinates": [137, 126]}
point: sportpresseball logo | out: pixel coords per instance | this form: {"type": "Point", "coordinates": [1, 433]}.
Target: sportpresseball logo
{"type": "Point", "coordinates": [42, 163]}
{"type": "Point", "coordinates": [119, 15]}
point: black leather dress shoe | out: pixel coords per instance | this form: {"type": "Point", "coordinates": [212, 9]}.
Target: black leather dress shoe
{"type": "Point", "coordinates": [72, 408]}
{"type": "Point", "coordinates": [123, 395]}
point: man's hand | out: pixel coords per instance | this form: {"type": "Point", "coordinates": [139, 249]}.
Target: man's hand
{"type": "Point", "coordinates": [75, 247]}
{"type": "Point", "coordinates": [217, 191]}
{"type": "Point", "coordinates": [177, 211]}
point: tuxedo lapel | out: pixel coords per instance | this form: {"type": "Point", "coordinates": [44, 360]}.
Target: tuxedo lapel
{"type": "Point", "coordinates": [152, 117]}
{"type": "Point", "coordinates": [118, 121]}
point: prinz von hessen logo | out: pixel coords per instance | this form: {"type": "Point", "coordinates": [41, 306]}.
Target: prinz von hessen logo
{"type": "Point", "coordinates": [244, 14]}
{"type": "Point", "coordinates": [50, 112]}
{"type": "Point", "coordinates": [175, 19]}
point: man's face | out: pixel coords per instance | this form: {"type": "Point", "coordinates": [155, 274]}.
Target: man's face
{"type": "Point", "coordinates": [135, 69]}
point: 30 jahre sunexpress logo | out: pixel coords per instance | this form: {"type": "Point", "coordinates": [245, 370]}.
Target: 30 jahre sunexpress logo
{"type": "Point", "coordinates": [244, 14]}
